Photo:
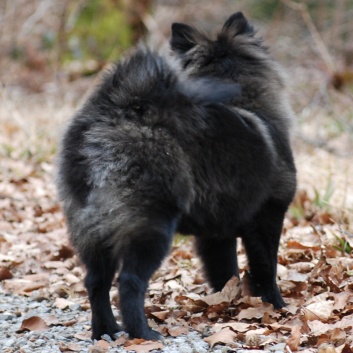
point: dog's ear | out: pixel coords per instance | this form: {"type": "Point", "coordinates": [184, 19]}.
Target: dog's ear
{"type": "Point", "coordinates": [237, 24]}
{"type": "Point", "coordinates": [184, 37]}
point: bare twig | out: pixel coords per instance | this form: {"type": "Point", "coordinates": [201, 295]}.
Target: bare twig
{"type": "Point", "coordinates": [37, 15]}
{"type": "Point", "coordinates": [303, 9]}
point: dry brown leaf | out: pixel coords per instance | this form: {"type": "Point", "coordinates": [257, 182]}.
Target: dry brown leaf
{"type": "Point", "coordinates": [338, 336]}
{"type": "Point", "coordinates": [190, 304]}
{"type": "Point", "coordinates": [27, 284]}
{"type": "Point", "coordinates": [71, 279]}
{"type": "Point", "coordinates": [235, 326]}
{"type": "Point", "coordinates": [293, 341]}
{"type": "Point", "coordinates": [341, 300]}
{"type": "Point", "coordinates": [302, 267]}
{"type": "Point", "coordinates": [102, 344]}
{"type": "Point", "coordinates": [318, 328]}
{"type": "Point", "coordinates": [251, 301]}
{"type": "Point", "coordinates": [5, 273]}
{"type": "Point", "coordinates": [75, 347]}
{"type": "Point", "coordinates": [144, 347]}
{"type": "Point", "coordinates": [121, 340]}
{"type": "Point", "coordinates": [96, 349]}
{"type": "Point", "coordinates": [224, 336]}
{"type": "Point", "coordinates": [326, 348]}
{"type": "Point", "coordinates": [53, 264]}
{"type": "Point", "coordinates": [178, 330]}
{"type": "Point", "coordinates": [161, 315]}
{"type": "Point", "coordinates": [62, 303]}
{"type": "Point", "coordinates": [275, 326]}
{"type": "Point", "coordinates": [83, 336]}
{"type": "Point", "coordinates": [52, 320]}
{"type": "Point", "coordinates": [295, 276]}
{"type": "Point", "coordinates": [257, 312]}
{"type": "Point", "coordinates": [346, 348]}
{"type": "Point", "coordinates": [227, 294]}
{"type": "Point", "coordinates": [303, 245]}
{"type": "Point", "coordinates": [34, 323]}
{"type": "Point", "coordinates": [321, 310]}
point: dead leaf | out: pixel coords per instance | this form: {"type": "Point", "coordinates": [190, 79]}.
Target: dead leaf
{"type": "Point", "coordinates": [326, 348]}
{"type": "Point", "coordinates": [346, 348]}
{"type": "Point", "coordinates": [144, 347]}
{"type": "Point", "coordinates": [27, 283]}
{"type": "Point", "coordinates": [235, 326]}
{"type": "Point", "coordinates": [257, 312]}
{"type": "Point", "coordinates": [53, 264]}
{"type": "Point", "coordinates": [96, 349]}
{"type": "Point", "coordinates": [62, 303]}
{"type": "Point", "coordinates": [225, 336]}
{"type": "Point", "coordinates": [5, 273]}
{"type": "Point", "coordinates": [74, 347]}
{"type": "Point", "coordinates": [34, 323]}
{"type": "Point", "coordinates": [121, 340]}
{"type": "Point", "coordinates": [321, 310]}
{"type": "Point", "coordinates": [227, 294]}
{"type": "Point", "coordinates": [303, 245]}
{"type": "Point", "coordinates": [102, 344]}
{"type": "Point", "coordinates": [341, 300]}
{"type": "Point", "coordinates": [293, 341]}
{"type": "Point", "coordinates": [83, 336]}
{"type": "Point", "coordinates": [178, 330]}
{"type": "Point", "coordinates": [161, 315]}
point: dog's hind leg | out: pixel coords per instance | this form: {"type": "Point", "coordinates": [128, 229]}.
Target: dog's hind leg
{"type": "Point", "coordinates": [101, 267]}
{"type": "Point", "coordinates": [219, 258]}
{"type": "Point", "coordinates": [141, 258]}
{"type": "Point", "coordinates": [261, 240]}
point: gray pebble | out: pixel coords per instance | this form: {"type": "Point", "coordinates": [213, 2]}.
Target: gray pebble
{"type": "Point", "coordinates": [48, 336]}
{"type": "Point", "coordinates": [6, 317]}
{"type": "Point", "coordinates": [75, 307]}
{"type": "Point", "coordinates": [22, 342]}
{"type": "Point", "coordinates": [9, 342]}
{"type": "Point", "coordinates": [39, 342]}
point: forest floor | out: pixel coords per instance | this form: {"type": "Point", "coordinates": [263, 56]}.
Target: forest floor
{"type": "Point", "coordinates": [40, 272]}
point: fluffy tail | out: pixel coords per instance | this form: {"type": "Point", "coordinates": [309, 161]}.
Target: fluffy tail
{"type": "Point", "coordinates": [147, 77]}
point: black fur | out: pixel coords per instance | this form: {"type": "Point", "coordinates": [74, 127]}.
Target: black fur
{"type": "Point", "coordinates": [150, 154]}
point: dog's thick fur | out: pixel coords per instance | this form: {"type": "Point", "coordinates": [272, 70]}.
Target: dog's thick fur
{"type": "Point", "coordinates": [149, 154]}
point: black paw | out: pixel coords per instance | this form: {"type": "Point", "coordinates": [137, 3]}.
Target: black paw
{"type": "Point", "coordinates": [269, 293]}
{"type": "Point", "coordinates": [148, 334]}
{"type": "Point", "coordinates": [98, 332]}
{"type": "Point", "coordinates": [154, 336]}
{"type": "Point", "coordinates": [274, 297]}
{"type": "Point", "coordinates": [277, 303]}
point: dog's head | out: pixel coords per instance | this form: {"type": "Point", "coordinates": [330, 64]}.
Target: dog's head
{"type": "Point", "coordinates": [236, 50]}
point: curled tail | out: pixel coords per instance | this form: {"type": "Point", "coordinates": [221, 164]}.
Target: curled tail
{"type": "Point", "coordinates": [148, 77]}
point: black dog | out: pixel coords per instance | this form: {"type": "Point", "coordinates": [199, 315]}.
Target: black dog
{"type": "Point", "coordinates": [149, 155]}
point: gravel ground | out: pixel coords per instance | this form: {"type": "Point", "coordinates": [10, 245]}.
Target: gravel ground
{"type": "Point", "coordinates": [14, 309]}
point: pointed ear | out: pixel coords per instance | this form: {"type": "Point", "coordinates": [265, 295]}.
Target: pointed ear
{"type": "Point", "coordinates": [237, 24]}
{"type": "Point", "coordinates": [184, 37]}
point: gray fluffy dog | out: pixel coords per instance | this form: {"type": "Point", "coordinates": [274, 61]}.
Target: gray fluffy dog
{"type": "Point", "coordinates": [150, 154]}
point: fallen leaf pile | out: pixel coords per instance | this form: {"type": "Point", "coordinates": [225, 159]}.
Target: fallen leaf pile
{"type": "Point", "coordinates": [315, 275]}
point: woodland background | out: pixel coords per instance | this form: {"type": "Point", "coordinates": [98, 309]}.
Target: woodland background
{"type": "Point", "coordinates": [51, 55]}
